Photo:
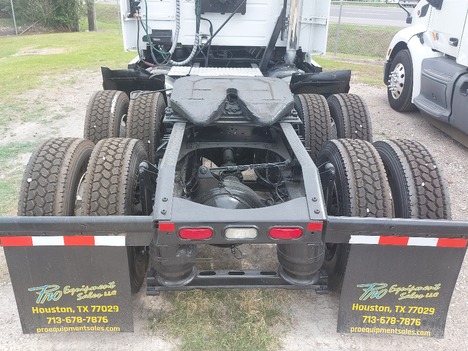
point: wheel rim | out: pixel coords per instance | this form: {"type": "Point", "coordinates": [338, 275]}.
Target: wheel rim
{"type": "Point", "coordinates": [79, 196]}
{"type": "Point", "coordinates": [397, 81]}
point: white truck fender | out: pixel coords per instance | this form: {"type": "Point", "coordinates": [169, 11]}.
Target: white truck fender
{"type": "Point", "coordinates": [419, 51]}
{"type": "Point", "coordinates": [413, 39]}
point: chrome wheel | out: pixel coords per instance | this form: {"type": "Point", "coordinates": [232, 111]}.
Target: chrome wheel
{"type": "Point", "coordinates": [397, 81]}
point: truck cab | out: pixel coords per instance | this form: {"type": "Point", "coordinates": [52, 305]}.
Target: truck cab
{"type": "Point", "coordinates": [426, 66]}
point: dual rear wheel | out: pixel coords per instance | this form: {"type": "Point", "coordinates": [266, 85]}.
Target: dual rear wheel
{"type": "Point", "coordinates": [111, 114]}
{"type": "Point", "coordinates": [392, 178]}
{"type": "Point", "coordinates": [70, 176]}
{"type": "Point", "coordinates": [339, 116]}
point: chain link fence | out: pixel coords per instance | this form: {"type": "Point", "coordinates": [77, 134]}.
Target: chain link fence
{"type": "Point", "coordinates": [8, 25]}
{"type": "Point", "coordinates": [106, 14]}
{"type": "Point", "coordinates": [364, 28]}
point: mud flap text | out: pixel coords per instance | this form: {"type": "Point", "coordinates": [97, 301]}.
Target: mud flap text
{"type": "Point", "coordinates": [64, 289]}
{"type": "Point", "coordinates": [398, 290]}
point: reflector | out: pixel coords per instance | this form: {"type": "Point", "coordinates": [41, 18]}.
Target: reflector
{"type": "Point", "coordinates": [196, 233]}
{"type": "Point", "coordinates": [315, 226]}
{"type": "Point", "coordinates": [285, 233]}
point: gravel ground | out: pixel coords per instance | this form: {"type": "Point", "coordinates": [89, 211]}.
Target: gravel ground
{"type": "Point", "coordinates": [313, 316]}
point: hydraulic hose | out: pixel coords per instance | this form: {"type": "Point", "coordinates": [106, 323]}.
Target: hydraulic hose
{"type": "Point", "coordinates": [197, 35]}
{"type": "Point", "coordinates": [177, 29]}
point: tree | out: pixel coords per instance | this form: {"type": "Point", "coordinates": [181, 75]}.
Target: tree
{"type": "Point", "coordinates": [91, 9]}
{"type": "Point", "coordinates": [56, 14]}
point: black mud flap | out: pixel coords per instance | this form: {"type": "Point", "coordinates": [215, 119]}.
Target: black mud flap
{"type": "Point", "coordinates": [325, 83]}
{"type": "Point", "coordinates": [399, 287]}
{"type": "Point", "coordinates": [128, 80]}
{"type": "Point", "coordinates": [65, 289]}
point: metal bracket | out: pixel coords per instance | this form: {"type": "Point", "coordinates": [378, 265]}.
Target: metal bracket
{"type": "Point", "coordinates": [224, 279]}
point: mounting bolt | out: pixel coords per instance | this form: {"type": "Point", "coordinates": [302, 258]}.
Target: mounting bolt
{"type": "Point", "coordinates": [317, 211]}
{"type": "Point", "coordinates": [164, 199]}
{"type": "Point", "coordinates": [314, 199]}
{"type": "Point", "coordinates": [163, 211]}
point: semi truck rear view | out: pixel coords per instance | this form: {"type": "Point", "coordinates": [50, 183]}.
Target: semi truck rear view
{"type": "Point", "coordinates": [224, 132]}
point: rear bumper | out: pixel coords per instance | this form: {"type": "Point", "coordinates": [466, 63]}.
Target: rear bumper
{"type": "Point", "coordinates": [139, 231]}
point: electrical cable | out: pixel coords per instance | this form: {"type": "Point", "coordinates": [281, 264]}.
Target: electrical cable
{"type": "Point", "coordinates": [197, 38]}
{"type": "Point", "coordinates": [222, 25]}
{"type": "Point", "coordinates": [175, 39]}
{"type": "Point", "coordinates": [149, 40]}
{"type": "Point", "coordinates": [209, 46]}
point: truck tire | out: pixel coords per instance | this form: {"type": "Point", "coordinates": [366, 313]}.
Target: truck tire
{"type": "Point", "coordinates": [52, 177]}
{"type": "Point", "coordinates": [317, 128]}
{"type": "Point", "coordinates": [111, 188]}
{"type": "Point", "coordinates": [144, 120]}
{"type": "Point", "coordinates": [351, 116]}
{"type": "Point", "coordinates": [418, 187]}
{"type": "Point", "coordinates": [105, 115]}
{"type": "Point", "coordinates": [360, 189]}
{"type": "Point", "coordinates": [400, 82]}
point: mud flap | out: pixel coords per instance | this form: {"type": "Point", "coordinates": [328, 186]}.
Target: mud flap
{"type": "Point", "coordinates": [402, 290]}
{"type": "Point", "coordinates": [64, 289]}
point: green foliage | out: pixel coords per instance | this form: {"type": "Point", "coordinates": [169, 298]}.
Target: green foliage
{"type": "Point", "coordinates": [56, 14]}
{"type": "Point", "coordinates": [5, 8]}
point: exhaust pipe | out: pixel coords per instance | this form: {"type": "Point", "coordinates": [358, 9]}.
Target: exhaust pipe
{"type": "Point", "coordinates": [295, 10]}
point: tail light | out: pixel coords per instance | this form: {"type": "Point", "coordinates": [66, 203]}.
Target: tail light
{"type": "Point", "coordinates": [285, 233]}
{"type": "Point", "coordinates": [196, 233]}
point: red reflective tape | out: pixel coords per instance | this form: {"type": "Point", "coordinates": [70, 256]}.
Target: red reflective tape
{"type": "Point", "coordinates": [16, 241]}
{"type": "Point", "coordinates": [315, 226]}
{"type": "Point", "coordinates": [166, 227]}
{"type": "Point", "coordinates": [445, 242]}
{"type": "Point", "coordinates": [78, 240]}
{"type": "Point", "coordinates": [394, 240]}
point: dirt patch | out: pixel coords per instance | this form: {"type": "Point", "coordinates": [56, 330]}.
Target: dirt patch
{"type": "Point", "coordinates": [45, 51]}
{"type": "Point", "coordinates": [313, 317]}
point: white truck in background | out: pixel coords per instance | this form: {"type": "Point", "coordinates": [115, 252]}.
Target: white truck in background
{"type": "Point", "coordinates": [427, 62]}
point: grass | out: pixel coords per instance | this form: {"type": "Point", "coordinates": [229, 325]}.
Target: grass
{"type": "Point", "coordinates": [82, 50]}
{"type": "Point", "coordinates": [368, 72]}
{"type": "Point", "coordinates": [235, 320]}
{"type": "Point", "coordinates": [10, 175]}
{"type": "Point", "coordinates": [9, 195]}
{"type": "Point", "coordinates": [12, 150]}
{"type": "Point", "coordinates": [369, 41]}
